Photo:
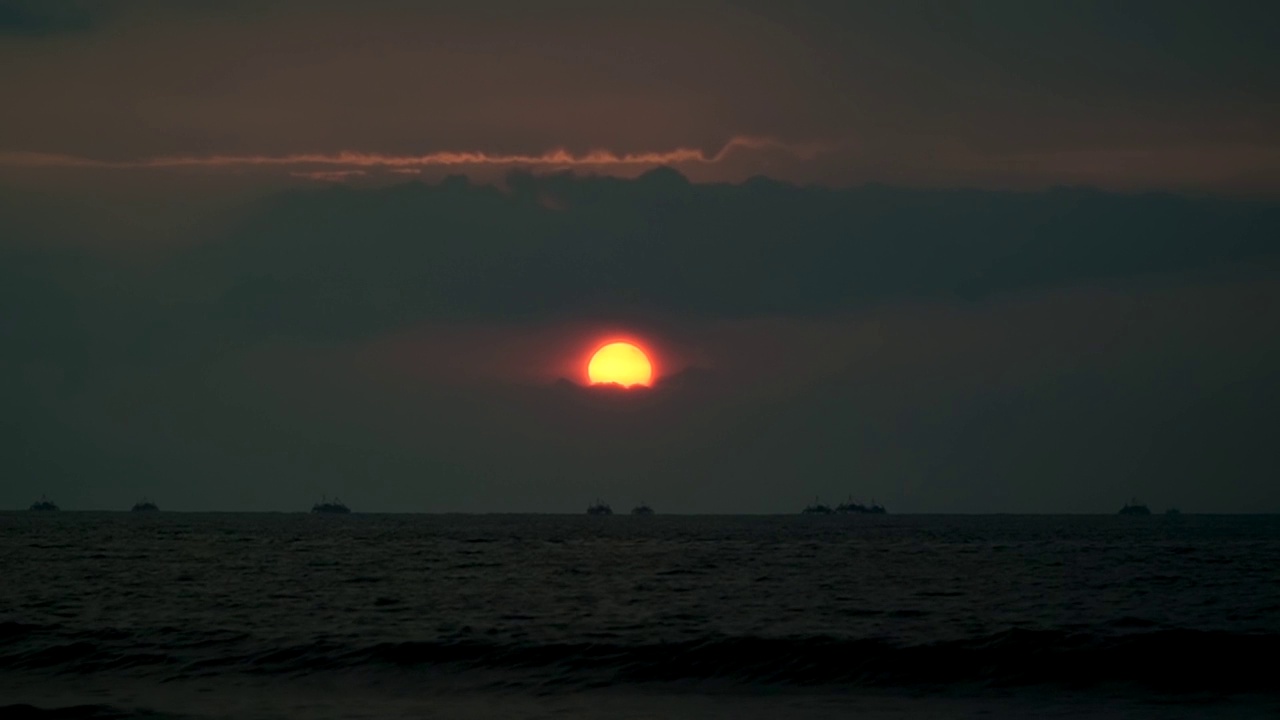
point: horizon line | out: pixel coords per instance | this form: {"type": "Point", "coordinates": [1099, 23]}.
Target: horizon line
{"type": "Point", "coordinates": [576, 514]}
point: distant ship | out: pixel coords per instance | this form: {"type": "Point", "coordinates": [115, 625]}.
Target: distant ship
{"type": "Point", "coordinates": [44, 504]}
{"type": "Point", "coordinates": [337, 507]}
{"type": "Point", "coordinates": [849, 506]}
{"type": "Point", "coordinates": [817, 508]}
{"type": "Point", "coordinates": [599, 508]}
{"type": "Point", "coordinates": [642, 509]}
{"type": "Point", "coordinates": [145, 505]}
{"type": "Point", "coordinates": [1173, 511]}
{"type": "Point", "coordinates": [1133, 507]}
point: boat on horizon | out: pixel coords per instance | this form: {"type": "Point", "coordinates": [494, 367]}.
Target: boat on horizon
{"type": "Point", "coordinates": [44, 504]}
{"type": "Point", "coordinates": [849, 506]}
{"type": "Point", "coordinates": [326, 507]}
{"type": "Point", "coordinates": [145, 505]}
{"type": "Point", "coordinates": [817, 508]}
{"type": "Point", "coordinates": [1134, 507]}
{"type": "Point", "coordinates": [599, 508]}
{"type": "Point", "coordinates": [1172, 511]}
{"type": "Point", "coordinates": [642, 509]}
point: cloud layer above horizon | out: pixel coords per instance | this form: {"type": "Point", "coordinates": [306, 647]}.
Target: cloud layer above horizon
{"type": "Point", "coordinates": [401, 346]}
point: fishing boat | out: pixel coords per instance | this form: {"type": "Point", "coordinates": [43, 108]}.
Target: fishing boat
{"type": "Point", "coordinates": [817, 508]}
{"type": "Point", "coordinates": [44, 504]}
{"type": "Point", "coordinates": [327, 507]}
{"type": "Point", "coordinates": [642, 509]}
{"type": "Point", "coordinates": [851, 507]}
{"type": "Point", "coordinates": [145, 505]}
{"type": "Point", "coordinates": [599, 508]}
{"type": "Point", "coordinates": [1133, 507]}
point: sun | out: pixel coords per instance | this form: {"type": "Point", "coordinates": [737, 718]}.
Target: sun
{"type": "Point", "coordinates": [622, 363]}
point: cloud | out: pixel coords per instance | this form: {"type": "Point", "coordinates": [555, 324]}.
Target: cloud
{"type": "Point", "coordinates": [343, 265]}
{"type": "Point", "coordinates": [343, 262]}
{"type": "Point", "coordinates": [1001, 96]}
{"type": "Point", "coordinates": [403, 346]}
{"type": "Point", "coordinates": [354, 162]}
{"type": "Point", "coordinates": [328, 175]}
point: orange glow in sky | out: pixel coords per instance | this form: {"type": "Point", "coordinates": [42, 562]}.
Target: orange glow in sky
{"type": "Point", "coordinates": [622, 363]}
{"type": "Point", "coordinates": [352, 161]}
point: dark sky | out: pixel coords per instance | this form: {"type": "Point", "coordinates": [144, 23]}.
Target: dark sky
{"type": "Point", "coordinates": [956, 257]}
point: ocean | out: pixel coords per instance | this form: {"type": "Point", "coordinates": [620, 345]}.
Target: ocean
{"type": "Point", "coordinates": [184, 615]}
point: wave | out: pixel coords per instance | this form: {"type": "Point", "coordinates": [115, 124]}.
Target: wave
{"type": "Point", "coordinates": [78, 712]}
{"type": "Point", "coordinates": [1165, 659]}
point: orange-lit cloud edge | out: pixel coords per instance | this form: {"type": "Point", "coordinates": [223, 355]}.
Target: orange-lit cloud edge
{"type": "Point", "coordinates": [351, 163]}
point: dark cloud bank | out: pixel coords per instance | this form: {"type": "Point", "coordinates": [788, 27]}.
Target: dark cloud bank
{"type": "Point", "coordinates": [938, 350]}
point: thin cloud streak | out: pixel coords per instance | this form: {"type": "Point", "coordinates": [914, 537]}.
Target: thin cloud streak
{"type": "Point", "coordinates": [327, 175]}
{"type": "Point", "coordinates": [352, 160]}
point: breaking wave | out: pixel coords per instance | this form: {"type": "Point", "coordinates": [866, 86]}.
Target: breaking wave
{"type": "Point", "coordinates": [1166, 659]}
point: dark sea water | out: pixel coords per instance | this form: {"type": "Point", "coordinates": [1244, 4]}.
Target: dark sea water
{"type": "Point", "coordinates": [396, 616]}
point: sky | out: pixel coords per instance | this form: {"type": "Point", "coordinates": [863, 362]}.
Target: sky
{"type": "Point", "coordinates": [954, 257]}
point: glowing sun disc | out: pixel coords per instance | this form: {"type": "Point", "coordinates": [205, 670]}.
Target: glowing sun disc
{"type": "Point", "coordinates": [622, 363]}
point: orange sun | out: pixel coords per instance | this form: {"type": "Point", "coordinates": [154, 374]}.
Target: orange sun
{"type": "Point", "coordinates": [622, 363]}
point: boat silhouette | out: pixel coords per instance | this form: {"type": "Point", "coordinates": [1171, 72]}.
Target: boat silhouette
{"type": "Point", "coordinates": [44, 504]}
{"type": "Point", "coordinates": [325, 507]}
{"type": "Point", "coordinates": [849, 506]}
{"type": "Point", "coordinates": [1133, 507]}
{"type": "Point", "coordinates": [817, 508]}
{"type": "Point", "coordinates": [642, 509]}
{"type": "Point", "coordinates": [1172, 511]}
{"type": "Point", "coordinates": [145, 505]}
{"type": "Point", "coordinates": [599, 508]}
